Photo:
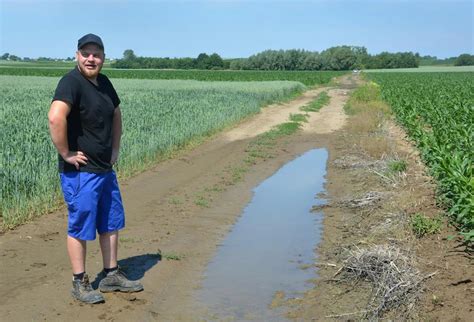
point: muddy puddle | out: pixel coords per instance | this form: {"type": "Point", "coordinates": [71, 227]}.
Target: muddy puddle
{"type": "Point", "coordinates": [271, 248]}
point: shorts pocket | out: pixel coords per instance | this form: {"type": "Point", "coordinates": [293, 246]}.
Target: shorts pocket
{"type": "Point", "coordinates": [71, 185]}
{"type": "Point", "coordinates": [77, 184]}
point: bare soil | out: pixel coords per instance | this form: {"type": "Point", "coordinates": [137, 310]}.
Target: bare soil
{"type": "Point", "coordinates": [179, 211]}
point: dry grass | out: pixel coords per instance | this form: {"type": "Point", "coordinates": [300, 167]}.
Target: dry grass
{"type": "Point", "coordinates": [370, 199]}
{"type": "Point", "coordinates": [368, 127]}
{"type": "Point", "coordinates": [368, 117]}
{"type": "Point", "coordinates": [356, 162]}
{"type": "Point", "coordinates": [375, 146]}
{"type": "Point", "coordinates": [381, 281]}
{"type": "Point", "coordinates": [394, 279]}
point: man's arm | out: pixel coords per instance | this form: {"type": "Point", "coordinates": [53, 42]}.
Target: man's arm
{"type": "Point", "coordinates": [58, 129]}
{"type": "Point", "coordinates": [116, 134]}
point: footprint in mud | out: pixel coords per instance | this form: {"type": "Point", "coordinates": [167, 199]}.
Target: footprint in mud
{"type": "Point", "coordinates": [154, 314]}
{"type": "Point", "coordinates": [49, 236]}
{"type": "Point", "coordinates": [129, 307]}
{"type": "Point", "coordinates": [131, 298]}
{"type": "Point", "coordinates": [38, 265]}
{"type": "Point", "coordinates": [127, 296]}
{"type": "Point", "coordinates": [140, 301]}
{"type": "Point", "coordinates": [11, 253]}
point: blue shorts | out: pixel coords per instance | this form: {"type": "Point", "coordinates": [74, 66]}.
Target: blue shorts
{"type": "Point", "coordinates": [94, 203]}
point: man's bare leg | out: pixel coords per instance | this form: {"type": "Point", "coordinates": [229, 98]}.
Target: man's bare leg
{"type": "Point", "coordinates": [81, 288]}
{"type": "Point", "coordinates": [109, 246]}
{"type": "Point", "coordinates": [76, 249]}
{"type": "Point", "coordinates": [115, 279]}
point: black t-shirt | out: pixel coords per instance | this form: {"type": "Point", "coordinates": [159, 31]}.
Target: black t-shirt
{"type": "Point", "coordinates": [89, 123]}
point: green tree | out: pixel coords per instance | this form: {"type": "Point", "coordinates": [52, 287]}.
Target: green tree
{"type": "Point", "coordinates": [312, 61]}
{"type": "Point", "coordinates": [184, 63]}
{"type": "Point", "coordinates": [128, 54]}
{"type": "Point", "coordinates": [202, 61]}
{"type": "Point", "coordinates": [339, 58]}
{"type": "Point", "coordinates": [362, 57]}
{"type": "Point", "coordinates": [464, 60]}
{"type": "Point", "coordinates": [237, 63]}
{"type": "Point", "coordinates": [215, 61]}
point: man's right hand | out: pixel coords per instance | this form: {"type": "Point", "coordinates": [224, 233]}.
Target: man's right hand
{"type": "Point", "coordinates": [76, 158]}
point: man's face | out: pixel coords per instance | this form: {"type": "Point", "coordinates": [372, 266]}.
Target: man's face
{"type": "Point", "coordinates": [90, 59]}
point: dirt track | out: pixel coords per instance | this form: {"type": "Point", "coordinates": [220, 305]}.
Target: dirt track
{"type": "Point", "coordinates": [182, 209]}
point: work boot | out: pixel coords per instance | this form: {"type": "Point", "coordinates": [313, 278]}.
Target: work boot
{"type": "Point", "coordinates": [83, 291]}
{"type": "Point", "coordinates": [118, 281]}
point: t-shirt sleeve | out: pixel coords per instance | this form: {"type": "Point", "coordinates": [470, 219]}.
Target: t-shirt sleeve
{"type": "Point", "coordinates": [109, 88]}
{"type": "Point", "coordinates": [67, 91]}
{"type": "Point", "coordinates": [113, 95]}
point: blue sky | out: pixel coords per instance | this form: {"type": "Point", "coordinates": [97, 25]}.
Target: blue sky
{"type": "Point", "coordinates": [50, 28]}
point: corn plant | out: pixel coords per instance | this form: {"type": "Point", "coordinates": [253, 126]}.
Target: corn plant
{"type": "Point", "coordinates": [437, 111]}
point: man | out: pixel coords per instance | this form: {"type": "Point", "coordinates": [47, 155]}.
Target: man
{"type": "Point", "coordinates": [86, 125]}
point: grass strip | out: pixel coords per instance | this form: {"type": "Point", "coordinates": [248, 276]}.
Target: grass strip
{"type": "Point", "coordinates": [320, 101]}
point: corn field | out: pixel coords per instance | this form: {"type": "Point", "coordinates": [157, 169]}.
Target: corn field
{"type": "Point", "coordinates": [437, 111]}
{"type": "Point", "coordinates": [158, 116]}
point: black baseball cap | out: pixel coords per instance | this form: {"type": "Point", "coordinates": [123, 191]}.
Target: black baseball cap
{"type": "Point", "coordinates": [90, 39]}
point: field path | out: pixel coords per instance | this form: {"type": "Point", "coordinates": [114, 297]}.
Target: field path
{"type": "Point", "coordinates": [178, 209]}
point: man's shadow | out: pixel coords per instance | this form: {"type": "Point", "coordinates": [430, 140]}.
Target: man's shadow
{"type": "Point", "coordinates": [134, 267]}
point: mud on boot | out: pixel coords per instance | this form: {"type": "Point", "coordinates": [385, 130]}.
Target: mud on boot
{"type": "Point", "coordinates": [83, 291]}
{"type": "Point", "coordinates": [118, 281]}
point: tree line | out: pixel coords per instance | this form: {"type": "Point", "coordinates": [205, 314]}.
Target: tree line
{"type": "Point", "coordinates": [203, 61]}
{"type": "Point", "coordinates": [464, 60]}
{"type": "Point", "coordinates": [334, 58]}
{"type": "Point", "coordinates": [461, 60]}
{"type": "Point", "coordinates": [11, 57]}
